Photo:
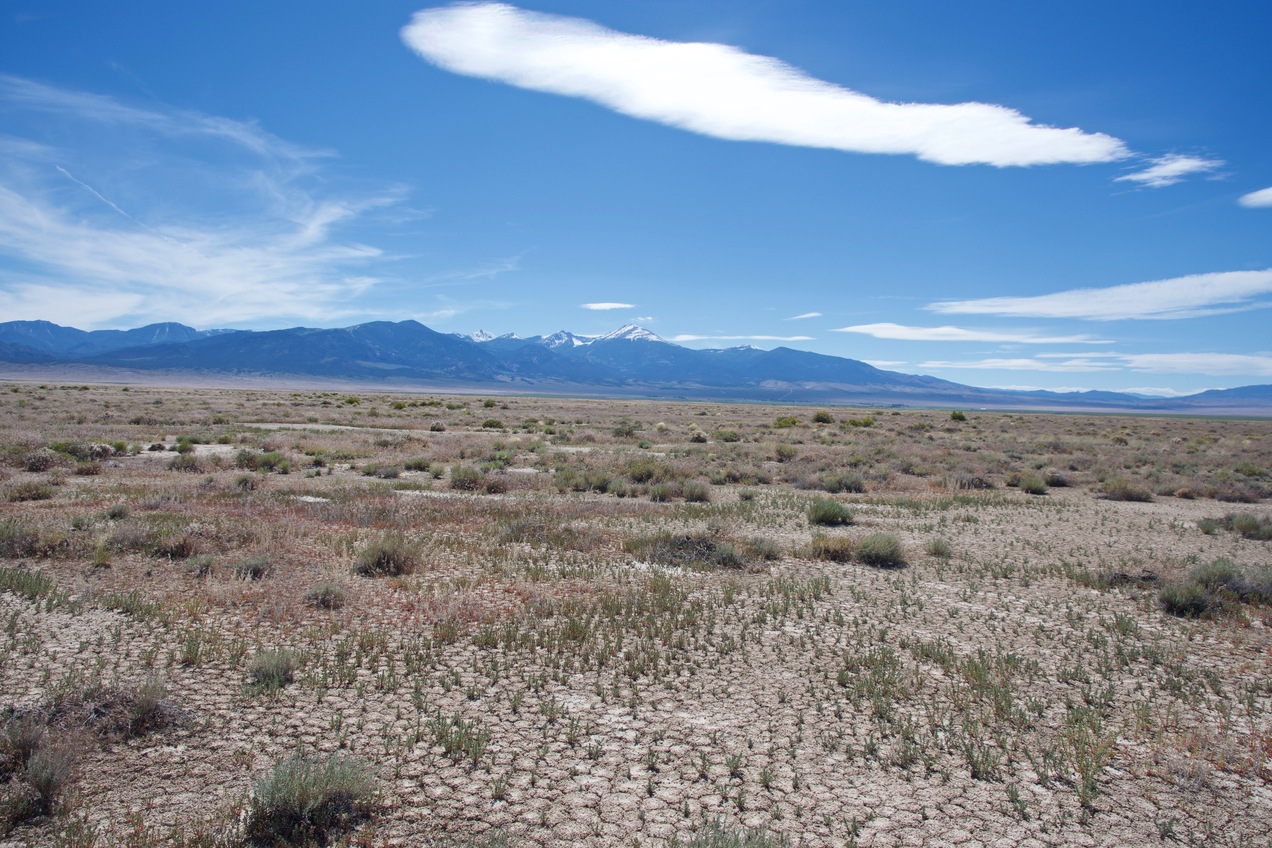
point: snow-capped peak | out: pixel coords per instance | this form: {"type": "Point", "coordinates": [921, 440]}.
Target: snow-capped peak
{"type": "Point", "coordinates": [481, 336]}
{"type": "Point", "coordinates": [563, 338]}
{"type": "Point", "coordinates": [630, 332]}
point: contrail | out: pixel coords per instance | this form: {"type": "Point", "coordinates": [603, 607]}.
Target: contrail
{"type": "Point", "coordinates": [95, 193]}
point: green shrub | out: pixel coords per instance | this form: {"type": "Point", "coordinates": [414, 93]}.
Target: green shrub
{"type": "Point", "coordinates": [326, 595]}
{"type": "Point", "coordinates": [958, 415]}
{"type": "Point", "coordinates": [843, 482]}
{"type": "Point", "coordinates": [308, 797]}
{"type": "Point", "coordinates": [492, 424]}
{"type": "Point", "coordinates": [187, 462]}
{"type": "Point", "coordinates": [253, 568]}
{"type": "Point", "coordinates": [1249, 526]}
{"type": "Point", "coordinates": [940, 548]}
{"type": "Point", "coordinates": [696, 492]}
{"type": "Point", "coordinates": [388, 556]}
{"type": "Point", "coordinates": [881, 550]}
{"type": "Point", "coordinates": [784, 452]}
{"type": "Point", "coordinates": [18, 539]}
{"type": "Point", "coordinates": [823, 417]}
{"type": "Point", "coordinates": [688, 549]}
{"type": "Point", "coordinates": [728, 436]}
{"type": "Point", "coordinates": [29, 490]}
{"type": "Point", "coordinates": [786, 421]}
{"type": "Point", "coordinates": [1187, 599]}
{"type": "Point", "coordinates": [1032, 484]}
{"type": "Point", "coordinates": [31, 585]}
{"type": "Point", "coordinates": [830, 548]}
{"type": "Point", "coordinates": [1119, 489]}
{"type": "Point", "coordinates": [828, 513]}
{"type": "Point", "coordinates": [270, 671]}
{"type": "Point", "coordinates": [465, 478]}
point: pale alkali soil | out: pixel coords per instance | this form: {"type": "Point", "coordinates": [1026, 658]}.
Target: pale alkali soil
{"type": "Point", "coordinates": [1028, 689]}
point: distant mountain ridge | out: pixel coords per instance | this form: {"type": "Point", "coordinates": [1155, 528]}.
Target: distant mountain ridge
{"type": "Point", "coordinates": [631, 361]}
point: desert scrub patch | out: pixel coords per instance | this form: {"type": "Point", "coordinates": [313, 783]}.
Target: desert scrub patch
{"type": "Point", "coordinates": [684, 550]}
{"type": "Point", "coordinates": [28, 490]}
{"type": "Point", "coordinates": [1121, 489]}
{"type": "Point", "coordinates": [326, 595]}
{"type": "Point", "coordinates": [695, 491]}
{"type": "Point", "coordinates": [466, 478]}
{"type": "Point", "coordinates": [881, 550]}
{"type": "Point", "coordinates": [825, 512]}
{"type": "Point", "coordinates": [308, 797]}
{"type": "Point", "coordinates": [388, 556]}
{"type": "Point", "coordinates": [18, 539]}
{"type": "Point", "coordinates": [31, 585]}
{"type": "Point", "coordinates": [837, 482]}
{"type": "Point", "coordinates": [830, 548]}
{"type": "Point", "coordinates": [270, 671]}
{"type": "Point", "coordinates": [1244, 524]}
{"type": "Point", "coordinates": [253, 568]}
{"type": "Point", "coordinates": [130, 603]}
{"type": "Point", "coordinates": [939, 548]}
{"type": "Point", "coordinates": [1032, 484]}
{"type": "Point", "coordinates": [1211, 588]}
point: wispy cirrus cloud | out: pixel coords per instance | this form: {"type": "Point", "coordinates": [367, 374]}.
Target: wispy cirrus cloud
{"type": "Point", "coordinates": [1257, 199]}
{"type": "Point", "coordinates": [1171, 169]}
{"type": "Point", "coordinates": [117, 213]}
{"type": "Point", "coordinates": [962, 334]}
{"type": "Point", "coordinates": [1178, 297]}
{"type": "Point", "coordinates": [606, 305]}
{"type": "Point", "coordinates": [803, 317]}
{"type": "Point", "coordinates": [721, 91]}
{"type": "Point", "coordinates": [690, 337]}
{"type": "Point", "coordinates": [1214, 364]}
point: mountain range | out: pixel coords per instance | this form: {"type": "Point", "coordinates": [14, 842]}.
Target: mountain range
{"type": "Point", "coordinates": [630, 362]}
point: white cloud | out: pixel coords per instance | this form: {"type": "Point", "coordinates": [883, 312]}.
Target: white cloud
{"type": "Point", "coordinates": [688, 337]}
{"type": "Point", "coordinates": [961, 334]}
{"type": "Point", "coordinates": [885, 363]}
{"type": "Point", "coordinates": [607, 305]}
{"type": "Point", "coordinates": [721, 91]}
{"type": "Point", "coordinates": [1228, 364]}
{"type": "Point", "coordinates": [115, 218]}
{"type": "Point", "coordinates": [804, 316]}
{"type": "Point", "coordinates": [1076, 364]}
{"type": "Point", "coordinates": [1170, 169]}
{"type": "Point", "coordinates": [1256, 199]}
{"type": "Point", "coordinates": [1178, 297]}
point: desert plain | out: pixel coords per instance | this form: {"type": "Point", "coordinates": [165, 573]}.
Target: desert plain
{"type": "Point", "coordinates": [264, 616]}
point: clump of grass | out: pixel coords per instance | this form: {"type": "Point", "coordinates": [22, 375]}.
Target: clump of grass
{"type": "Point", "coordinates": [695, 491]}
{"type": "Point", "coordinates": [1248, 526]}
{"type": "Point", "coordinates": [828, 513]}
{"type": "Point", "coordinates": [1032, 484]}
{"type": "Point", "coordinates": [31, 585]}
{"type": "Point", "coordinates": [270, 671]}
{"type": "Point", "coordinates": [388, 556]}
{"type": "Point", "coordinates": [940, 548]}
{"type": "Point", "coordinates": [1120, 489]}
{"type": "Point", "coordinates": [307, 797]}
{"type": "Point", "coordinates": [1213, 587]}
{"type": "Point", "coordinates": [881, 550]}
{"type": "Point", "coordinates": [843, 482]}
{"type": "Point", "coordinates": [831, 548]}
{"type": "Point", "coordinates": [326, 595]}
{"type": "Point", "coordinates": [131, 603]}
{"type": "Point", "coordinates": [29, 490]}
{"type": "Point", "coordinates": [762, 548]}
{"type": "Point", "coordinates": [187, 462]}
{"type": "Point", "coordinates": [689, 549]}
{"type": "Point", "coordinates": [253, 568]}
{"type": "Point", "coordinates": [465, 478]}
{"type": "Point", "coordinates": [714, 834]}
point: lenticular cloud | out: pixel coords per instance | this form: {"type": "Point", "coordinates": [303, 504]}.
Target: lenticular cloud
{"type": "Point", "coordinates": [721, 91]}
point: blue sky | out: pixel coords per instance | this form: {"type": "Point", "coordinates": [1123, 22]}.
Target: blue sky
{"type": "Point", "coordinates": [1065, 196]}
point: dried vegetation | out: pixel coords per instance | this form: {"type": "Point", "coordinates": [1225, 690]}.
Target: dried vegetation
{"type": "Point", "coordinates": [273, 617]}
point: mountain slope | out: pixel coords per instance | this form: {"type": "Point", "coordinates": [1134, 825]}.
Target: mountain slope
{"type": "Point", "coordinates": [630, 361]}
